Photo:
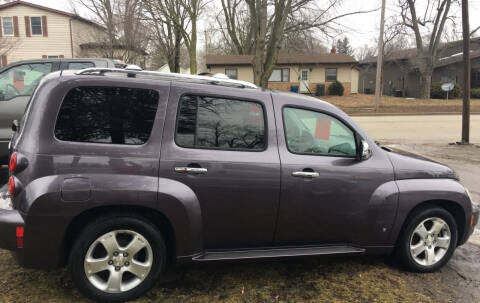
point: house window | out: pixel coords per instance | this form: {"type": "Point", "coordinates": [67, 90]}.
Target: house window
{"type": "Point", "coordinates": [36, 25]}
{"type": "Point", "coordinates": [7, 26]}
{"type": "Point", "coordinates": [231, 73]}
{"type": "Point", "coordinates": [331, 74]}
{"type": "Point", "coordinates": [447, 79]}
{"type": "Point", "coordinates": [280, 75]}
{"type": "Point", "coordinates": [52, 57]}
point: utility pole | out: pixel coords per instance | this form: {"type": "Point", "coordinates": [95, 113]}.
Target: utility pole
{"type": "Point", "coordinates": [378, 78]}
{"type": "Point", "coordinates": [466, 74]}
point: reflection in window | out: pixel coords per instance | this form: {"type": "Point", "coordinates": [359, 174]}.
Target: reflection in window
{"type": "Point", "coordinates": [21, 80]}
{"type": "Point", "coordinates": [116, 115]}
{"type": "Point", "coordinates": [331, 74]}
{"type": "Point", "coordinates": [80, 65]}
{"type": "Point", "coordinates": [280, 75]}
{"type": "Point", "coordinates": [231, 73]}
{"type": "Point", "coordinates": [310, 132]}
{"type": "Point", "coordinates": [220, 123]}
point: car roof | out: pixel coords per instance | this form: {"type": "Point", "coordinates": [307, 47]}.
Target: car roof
{"type": "Point", "coordinates": [56, 60]}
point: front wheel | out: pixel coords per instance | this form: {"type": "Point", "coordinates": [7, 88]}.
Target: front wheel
{"type": "Point", "coordinates": [117, 258]}
{"type": "Point", "coordinates": [428, 240]}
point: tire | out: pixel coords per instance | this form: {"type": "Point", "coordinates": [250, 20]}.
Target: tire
{"type": "Point", "coordinates": [442, 240]}
{"type": "Point", "coordinates": [105, 272]}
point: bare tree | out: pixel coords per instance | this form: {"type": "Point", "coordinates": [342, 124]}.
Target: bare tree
{"type": "Point", "coordinates": [432, 21]}
{"type": "Point", "coordinates": [174, 11]}
{"type": "Point", "coordinates": [259, 27]}
{"type": "Point", "coordinates": [167, 38]}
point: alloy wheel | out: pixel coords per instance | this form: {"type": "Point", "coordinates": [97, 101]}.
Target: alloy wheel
{"type": "Point", "coordinates": [430, 241]}
{"type": "Point", "coordinates": [118, 261]}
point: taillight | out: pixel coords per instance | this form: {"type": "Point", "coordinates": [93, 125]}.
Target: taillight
{"type": "Point", "coordinates": [13, 162]}
{"type": "Point", "coordinates": [11, 186]}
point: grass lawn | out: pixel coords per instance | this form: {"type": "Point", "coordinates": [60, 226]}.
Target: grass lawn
{"type": "Point", "coordinates": [361, 103]}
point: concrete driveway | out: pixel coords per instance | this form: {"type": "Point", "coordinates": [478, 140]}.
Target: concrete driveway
{"type": "Point", "coordinates": [418, 129]}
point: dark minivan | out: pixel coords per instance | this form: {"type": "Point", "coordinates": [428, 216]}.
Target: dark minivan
{"type": "Point", "coordinates": [121, 173]}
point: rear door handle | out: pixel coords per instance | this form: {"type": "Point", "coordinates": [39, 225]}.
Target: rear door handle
{"type": "Point", "coordinates": [191, 170]}
{"type": "Point", "coordinates": [305, 174]}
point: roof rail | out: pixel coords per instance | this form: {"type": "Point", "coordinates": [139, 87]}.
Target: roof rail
{"type": "Point", "coordinates": [167, 76]}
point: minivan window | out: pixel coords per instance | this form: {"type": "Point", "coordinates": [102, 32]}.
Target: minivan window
{"type": "Point", "coordinates": [310, 132]}
{"type": "Point", "coordinates": [220, 123]}
{"type": "Point", "coordinates": [80, 65]}
{"type": "Point", "coordinates": [21, 80]}
{"type": "Point", "coordinates": [116, 115]}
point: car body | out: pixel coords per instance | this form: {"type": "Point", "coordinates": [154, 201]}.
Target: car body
{"type": "Point", "coordinates": [225, 172]}
{"type": "Point", "coordinates": [17, 83]}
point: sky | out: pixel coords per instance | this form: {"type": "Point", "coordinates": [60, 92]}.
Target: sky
{"type": "Point", "coordinates": [360, 29]}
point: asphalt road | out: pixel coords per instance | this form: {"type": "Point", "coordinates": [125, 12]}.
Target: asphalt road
{"type": "Point", "coordinates": [418, 129]}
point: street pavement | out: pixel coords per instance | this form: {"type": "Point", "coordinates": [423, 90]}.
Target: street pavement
{"type": "Point", "coordinates": [418, 129]}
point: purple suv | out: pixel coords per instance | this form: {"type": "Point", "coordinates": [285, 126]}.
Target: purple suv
{"type": "Point", "coordinates": [121, 173]}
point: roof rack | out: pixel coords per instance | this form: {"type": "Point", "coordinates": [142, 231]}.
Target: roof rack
{"type": "Point", "coordinates": [167, 76]}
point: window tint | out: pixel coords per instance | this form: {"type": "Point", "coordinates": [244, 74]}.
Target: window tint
{"type": "Point", "coordinates": [107, 115]}
{"type": "Point", "coordinates": [7, 26]}
{"type": "Point", "coordinates": [207, 122]}
{"type": "Point", "coordinates": [316, 133]}
{"type": "Point", "coordinates": [231, 73]}
{"type": "Point", "coordinates": [36, 24]}
{"type": "Point", "coordinates": [331, 74]}
{"type": "Point", "coordinates": [21, 80]}
{"type": "Point", "coordinates": [80, 65]}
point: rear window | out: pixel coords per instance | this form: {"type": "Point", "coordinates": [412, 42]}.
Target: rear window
{"type": "Point", "coordinates": [80, 65]}
{"type": "Point", "coordinates": [220, 123]}
{"type": "Point", "coordinates": [114, 115]}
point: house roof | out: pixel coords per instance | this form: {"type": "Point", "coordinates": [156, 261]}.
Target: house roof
{"type": "Point", "coordinates": [213, 60]}
{"type": "Point", "coordinates": [456, 58]}
{"type": "Point", "coordinates": [404, 54]}
{"type": "Point", "coordinates": [48, 9]}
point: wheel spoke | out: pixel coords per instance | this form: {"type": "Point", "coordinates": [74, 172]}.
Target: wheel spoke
{"type": "Point", "coordinates": [421, 231]}
{"type": "Point", "coordinates": [437, 227]}
{"type": "Point", "coordinates": [96, 265]}
{"type": "Point", "coordinates": [443, 242]}
{"type": "Point", "coordinates": [138, 269]}
{"type": "Point", "coordinates": [114, 281]}
{"type": "Point", "coordinates": [430, 256]}
{"type": "Point", "coordinates": [135, 246]}
{"type": "Point", "coordinates": [417, 248]}
{"type": "Point", "coordinates": [109, 241]}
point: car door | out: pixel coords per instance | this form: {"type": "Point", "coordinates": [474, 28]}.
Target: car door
{"type": "Point", "coordinates": [17, 84]}
{"type": "Point", "coordinates": [326, 195]}
{"type": "Point", "coordinates": [222, 144]}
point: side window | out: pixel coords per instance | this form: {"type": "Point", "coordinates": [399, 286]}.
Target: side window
{"type": "Point", "coordinates": [220, 123]}
{"type": "Point", "coordinates": [21, 80]}
{"type": "Point", "coordinates": [115, 115]}
{"type": "Point", "coordinates": [310, 132]}
{"type": "Point", "coordinates": [80, 65]}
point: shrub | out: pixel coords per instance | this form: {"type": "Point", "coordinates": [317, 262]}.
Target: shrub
{"type": "Point", "coordinates": [336, 88]}
{"type": "Point", "coordinates": [436, 91]}
{"type": "Point", "coordinates": [475, 93]}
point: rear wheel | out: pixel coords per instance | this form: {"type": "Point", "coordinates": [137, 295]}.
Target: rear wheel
{"type": "Point", "coordinates": [429, 240]}
{"type": "Point", "coordinates": [117, 258]}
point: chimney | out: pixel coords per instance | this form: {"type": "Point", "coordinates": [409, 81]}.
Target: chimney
{"type": "Point", "coordinates": [333, 50]}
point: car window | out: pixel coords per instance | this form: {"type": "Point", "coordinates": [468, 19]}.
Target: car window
{"type": "Point", "coordinates": [80, 65]}
{"type": "Point", "coordinates": [220, 123]}
{"type": "Point", "coordinates": [115, 115]}
{"type": "Point", "coordinates": [310, 132]}
{"type": "Point", "coordinates": [21, 80]}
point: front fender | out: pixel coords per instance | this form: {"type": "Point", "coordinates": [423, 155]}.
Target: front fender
{"type": "Point", "coordinates": [415, 192]}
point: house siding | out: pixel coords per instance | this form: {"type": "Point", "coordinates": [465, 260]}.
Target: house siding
{"type": "Point", "coordinates": [83, 32]}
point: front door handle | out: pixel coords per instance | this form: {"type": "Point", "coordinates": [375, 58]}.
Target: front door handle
{"type": "Point", "coordinates": [191, 170]}
{"type": "Point", "coordinates": [305, 174]}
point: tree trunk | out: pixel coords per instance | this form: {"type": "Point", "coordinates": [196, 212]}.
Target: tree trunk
{"type": "Point", "coordinates": [192, 51]}
{"type": "Point", "coordinates": [426, 71]}
{"type": "Point", "coordinates": [176, 56]}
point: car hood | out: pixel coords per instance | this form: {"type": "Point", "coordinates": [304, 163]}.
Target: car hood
{"type": "Point", "coordinates": [412, 166]}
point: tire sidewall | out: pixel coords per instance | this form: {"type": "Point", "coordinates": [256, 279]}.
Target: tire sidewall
{"type": "Point", "coordinates": [101, 227]}
{"type": "Point", "coordinates": [415, 220]}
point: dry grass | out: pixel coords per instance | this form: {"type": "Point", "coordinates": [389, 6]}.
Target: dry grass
{"type": "Point", "coordinates": [342, 279]}
{"type": "Point", "coordinates": [361, 103]}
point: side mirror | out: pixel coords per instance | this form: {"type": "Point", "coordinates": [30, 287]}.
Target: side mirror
{"type": "Point", "coordinates": [365, 151]}
{"type": "Point", "coordinates": [14, 125]}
